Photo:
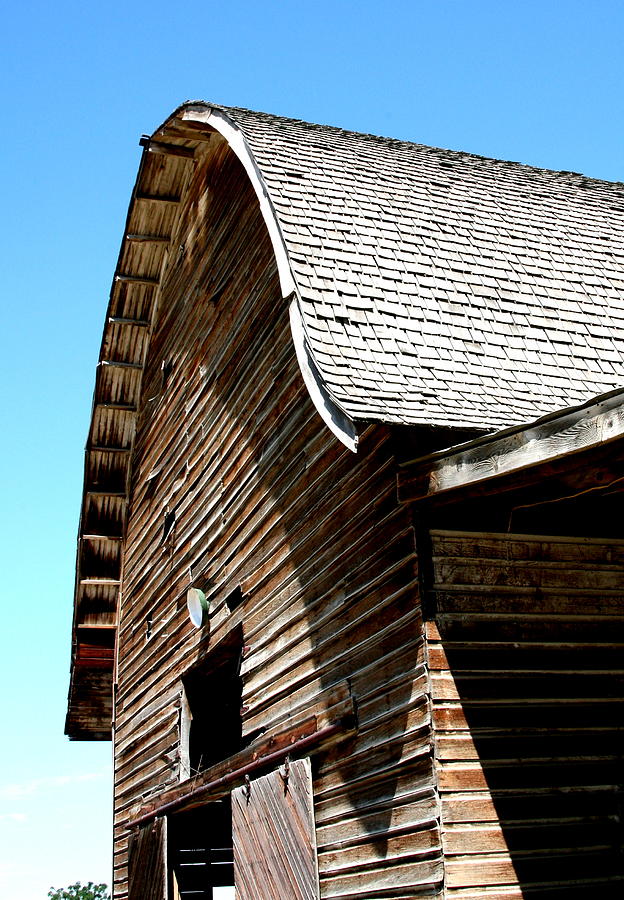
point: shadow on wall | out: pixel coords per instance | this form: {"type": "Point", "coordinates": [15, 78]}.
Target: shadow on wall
{"type": "Point", "coordinates": [324, 558]}
{"type": "Point", "coordinates": [529, 706]}
{"type": "Point", "coordinates": [351, 573]}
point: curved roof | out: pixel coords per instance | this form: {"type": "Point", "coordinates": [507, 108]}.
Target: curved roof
{"type": "Point", "coordinates": [438, 287]}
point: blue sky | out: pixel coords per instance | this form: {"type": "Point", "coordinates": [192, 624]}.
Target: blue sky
{"type": "Point", "coordinates": [539, 82]}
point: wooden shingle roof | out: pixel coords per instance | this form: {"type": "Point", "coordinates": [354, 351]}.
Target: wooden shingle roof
{"type": "Point", "coordinates": [438, 287]}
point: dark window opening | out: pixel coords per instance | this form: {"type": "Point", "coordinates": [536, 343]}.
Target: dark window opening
{"type": "Point", "coordinates": [234, 599]}
{"type": "Point", "coordinates": [200, 852]}
{"type": "Point", "coordinates": [214, 696]}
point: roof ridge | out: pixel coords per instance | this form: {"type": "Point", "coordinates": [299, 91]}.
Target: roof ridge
{"type": "Point", "coordinates": [401, 142]}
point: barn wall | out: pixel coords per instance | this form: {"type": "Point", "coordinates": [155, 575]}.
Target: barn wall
{"type": "Point", "coordinates": [238, 484]}
{"type": "Point", "coordinates": [525, 651]}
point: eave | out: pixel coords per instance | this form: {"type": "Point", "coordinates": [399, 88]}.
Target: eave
{"type": "Point", "coordinates": [163, 174]}
{"type": "Point", "coordinates": [520, 455]}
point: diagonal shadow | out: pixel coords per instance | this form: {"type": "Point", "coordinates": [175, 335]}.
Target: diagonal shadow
{"type": "Point", "coordinates": [529, 741]}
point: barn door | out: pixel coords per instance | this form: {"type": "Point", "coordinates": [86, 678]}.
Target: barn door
{"type": "Point", "coordinates": [147, 862]}
{"type": "Point", "coordinates": [274, 837]}
{"type": "Point", "coordinates": [526, 653]}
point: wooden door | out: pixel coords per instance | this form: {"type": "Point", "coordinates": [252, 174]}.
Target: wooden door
{"type": "Point", "coordinates": [274, 836]}
{"type": "Point", "coordinates": [147, 862]}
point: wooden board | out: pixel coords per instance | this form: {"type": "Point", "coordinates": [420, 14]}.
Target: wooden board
{"type": "Point", "coordinates": [274, 836]}
{"type": "Point", "coordinates": [555, 440]}
{"type": "Point", "coordinates": [147, 875]}
{"type": "Point", "coordinates": [526, 655]}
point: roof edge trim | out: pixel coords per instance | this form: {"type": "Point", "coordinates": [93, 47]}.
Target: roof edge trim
{"type": "Point", "coordinates": [336, 420]}
{"type": "Point", "coordinates": [238, 144]}
{"type": "Point", "coordinates": [334, 417]}
{"type": "Point", "coordinates": [547, 440]}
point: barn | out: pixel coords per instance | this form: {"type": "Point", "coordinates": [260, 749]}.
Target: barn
{"type": "Point", "coordinates": [350, 571]}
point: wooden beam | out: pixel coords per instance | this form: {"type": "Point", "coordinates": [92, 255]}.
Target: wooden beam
{"type": "Point", "coordinates": [99, 626]}
{"type": "Point", "coordinates": [220, 778]}
{"type": "Point", "coordinates": [545, 441]}
{"type": "Point", "coordinates": [121, 320]}
{"type": "Point", "coordinates": [118, 364]}
{"type": "Point", "coordinates": [157, 198]}
{"type": "Point", "coordinates": [99, 492]}
{"type": "Point", "coordinates": [166, 149]}
{"type": "Point", "coordinates": [100, 449]}
{"type": "Point", "coordinates": [149, 238]}
{"type": "Point", "coordinates": [102, 581]}
{"type": "Point", "coordinates": [200, 133]}
{"type": "Point", "coordinates": [137, 279]}
{"type": "Point", "coordinates": [124, 407]}
{"type": "Point", "coordinates": [101, 537]}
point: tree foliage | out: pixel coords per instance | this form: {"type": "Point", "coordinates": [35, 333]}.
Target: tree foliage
{"type": "Point", "coordinates": [80, 891]}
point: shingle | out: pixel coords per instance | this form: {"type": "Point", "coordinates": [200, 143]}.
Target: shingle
{"type": "Point", "coordinates": [490, 260]}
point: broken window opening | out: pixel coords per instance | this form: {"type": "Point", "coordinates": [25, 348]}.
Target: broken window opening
{"type": "Point", "coordinates": [166, 369]}
{"type": "Point", "coordinates": [234, 599]}
{"type": "Point", "coordinates": [168, 524]}
{"type": "Point", "coordinates": [214, 697]}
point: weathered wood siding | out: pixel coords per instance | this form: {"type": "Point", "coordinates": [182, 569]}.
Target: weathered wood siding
{"type": "Point", "coordinates": [238, 483]}
{"type": "Point", "coordinates": [527, 681]}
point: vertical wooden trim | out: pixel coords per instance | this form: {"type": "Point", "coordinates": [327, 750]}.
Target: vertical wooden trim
{"type": "Point", "coordinates": [424, 556]}
{"type": "Point", "coordinates": [186, 717]}
{"type": "Point", "coordinates": [424, 553]}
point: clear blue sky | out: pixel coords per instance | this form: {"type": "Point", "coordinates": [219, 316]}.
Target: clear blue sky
{"type": "Point", "coordinates": [540, 82]}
